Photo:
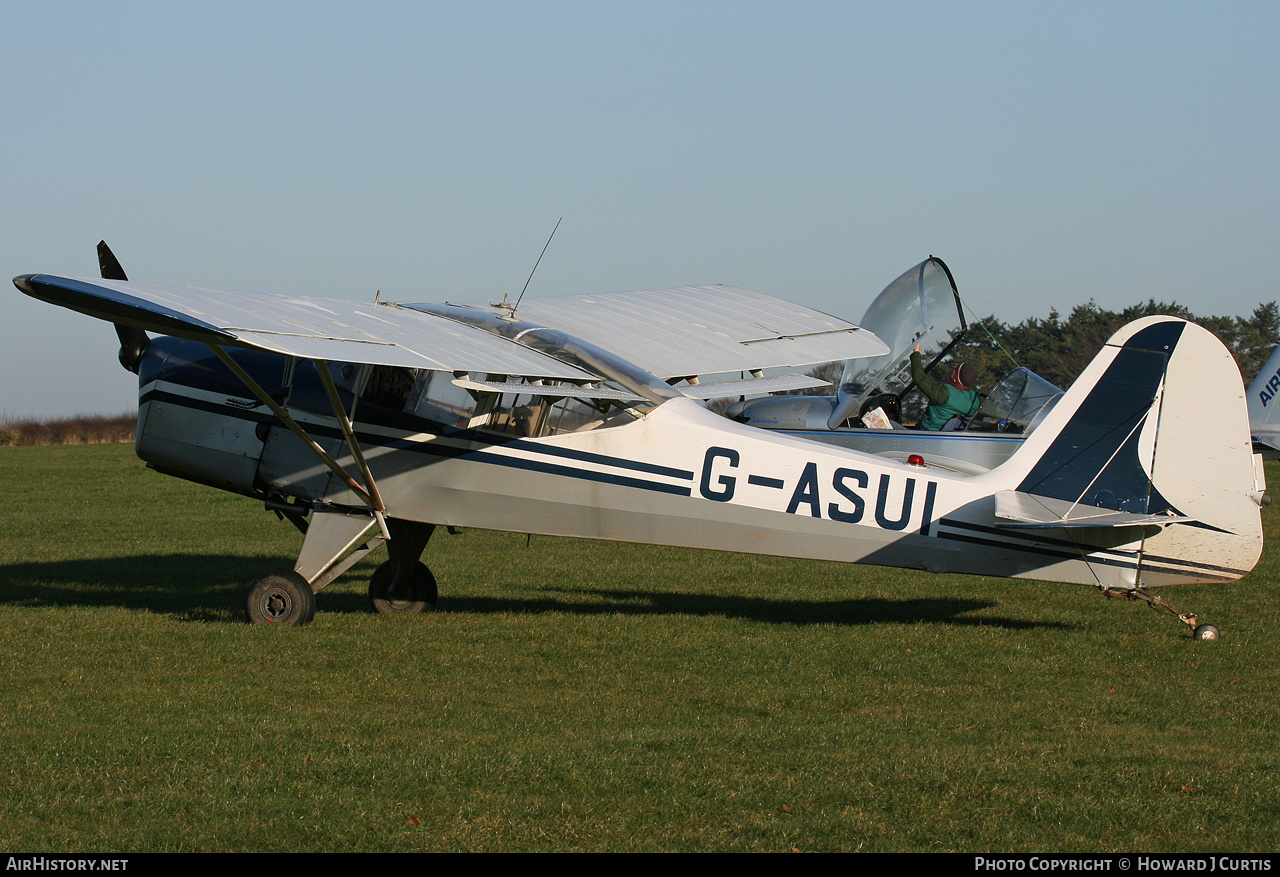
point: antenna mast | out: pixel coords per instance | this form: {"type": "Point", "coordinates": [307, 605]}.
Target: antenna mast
{"type": "Point", "coordinates": [535, 267]}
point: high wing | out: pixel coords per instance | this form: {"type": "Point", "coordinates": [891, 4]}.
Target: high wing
{"type": "Point", "coordinates": [697, 330]}
{"type": "Point", "coordinates": [305, 327]}
{"type": "Point", "coordinates": [670, 333]}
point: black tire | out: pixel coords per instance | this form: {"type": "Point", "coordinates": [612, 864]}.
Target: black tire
{"type": "Point", "coordinates": [421, 596]}
{"type": "Point", "coordinates": [1206, 631]}
{"type": "Point", "coordinates": [280, 596]}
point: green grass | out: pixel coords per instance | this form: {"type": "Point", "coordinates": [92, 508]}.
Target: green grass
{"type": "Point", "coordinates": [574, 695]}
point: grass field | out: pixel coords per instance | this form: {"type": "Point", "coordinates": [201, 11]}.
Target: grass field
{"type": "Point", "coordinates": [573, 695]}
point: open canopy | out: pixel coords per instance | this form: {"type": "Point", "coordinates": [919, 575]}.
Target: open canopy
{"type": "Point", "coordinates": [920, 307]}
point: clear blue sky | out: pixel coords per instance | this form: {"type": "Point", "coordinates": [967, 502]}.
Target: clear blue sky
{"type": "Point", "coordinates": [1050, 153]}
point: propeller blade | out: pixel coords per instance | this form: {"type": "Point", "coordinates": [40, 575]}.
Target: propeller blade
{"type": "Point", "coordinates": [109, 264]}
{"type": "Point", "coordinates": [133, 341]}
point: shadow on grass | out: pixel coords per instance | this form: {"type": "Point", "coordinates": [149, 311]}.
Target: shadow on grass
{"type": "Point", "coordinates": [873, 610]}
{"type": "Point", "coordinates": [211, 588]}
{"type": "Point", "coordinates": [194, 587]}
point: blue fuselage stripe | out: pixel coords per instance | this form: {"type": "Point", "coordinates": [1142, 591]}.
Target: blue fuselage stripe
{"type": "Point", "coordinates": [1069, 551]}
{"type": "Point", "coordinates": [580, 474]}
{"type": "Point", "coordinates": [443, 450]}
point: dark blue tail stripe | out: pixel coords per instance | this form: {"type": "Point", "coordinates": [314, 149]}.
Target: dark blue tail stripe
{"type": "Point", "coordinates": [1106, 428]}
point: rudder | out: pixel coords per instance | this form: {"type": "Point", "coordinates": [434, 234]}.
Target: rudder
{"type": "Point", "coordinates": [1156, 428]}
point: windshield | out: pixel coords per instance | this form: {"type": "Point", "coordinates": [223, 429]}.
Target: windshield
{"type": "Point", "coordinates": [1017, 404]}
{"type": "Point", "coordinates": [920, 307]}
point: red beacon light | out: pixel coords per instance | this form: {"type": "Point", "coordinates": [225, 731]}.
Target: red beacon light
{"type": "Point", "coordinates": [915, 460]}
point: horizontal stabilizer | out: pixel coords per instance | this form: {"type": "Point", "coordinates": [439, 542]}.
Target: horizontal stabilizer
{"type": "Point", "coordinates": [1265, 438]}
{"type": "Point", "coordinates": [1025, 510]}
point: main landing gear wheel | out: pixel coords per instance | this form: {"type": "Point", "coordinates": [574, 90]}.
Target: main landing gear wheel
{"type": "Point", "coordinates": [280, 597]}
{"type": "Point", "coordinates": [419, 595]}
{"type": "Point", "coordinates": [1205, 631]}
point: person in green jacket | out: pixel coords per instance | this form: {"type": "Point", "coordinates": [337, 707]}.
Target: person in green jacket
{"type": "Point", "coordinates": [953, 400]}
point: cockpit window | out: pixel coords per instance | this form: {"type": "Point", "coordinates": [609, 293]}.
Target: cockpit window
{"type": "Point", "coordinates": [437, 398]}
{"type": "Point", "coordinates": [580, 415]}
{"type": "Point", "coordinates": [388, 386]}
{"type": "Point", "coordinates": [308, 392]}
{"type": "Point", "coordinates": [1017, 404]}
{"type": "Point", "coordinates": [538, 414]}
{"type": "Point", "coordinates": [193, 364]}
{"type": "Point", "coordinates": [430, 401]}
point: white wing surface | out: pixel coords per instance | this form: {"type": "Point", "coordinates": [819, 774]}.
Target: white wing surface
{"type": "Point", "coordinates": [671, 333]}
{"type": "Point", "coordinates": [313, 328]}
{"type": "Point", "coordinates": [700, 330]}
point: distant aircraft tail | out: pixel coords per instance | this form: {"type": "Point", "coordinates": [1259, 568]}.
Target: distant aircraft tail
{"type": "Point", "coordinates": [1150, 451]}
{"type": "Point", "coordinates": [1264, 407]}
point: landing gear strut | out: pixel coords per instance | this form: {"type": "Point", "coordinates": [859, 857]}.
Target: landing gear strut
{"type": "Point", "coordinates": [1198, 631]}
{"type": "Point", "coordinates": [403, 585]}
{"type": "Point", "coordinates": [406, 598]}
{"type": "Point", "coordinates": [335, 540]}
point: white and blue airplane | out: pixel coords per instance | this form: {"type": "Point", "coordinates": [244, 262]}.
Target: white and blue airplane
{"type": "Point", "coordinates": [581, 416]}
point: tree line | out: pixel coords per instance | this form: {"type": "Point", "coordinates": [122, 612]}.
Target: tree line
{"type": "Point", "coordinates": [1058, 348]}
{"type": "Point", "coordinates": [83, 429]}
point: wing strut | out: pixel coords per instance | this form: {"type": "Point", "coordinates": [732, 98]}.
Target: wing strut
{"type": "Point", "coordinates": [331, 391]}
{"type": "Point", "coordinates": [370, 497]}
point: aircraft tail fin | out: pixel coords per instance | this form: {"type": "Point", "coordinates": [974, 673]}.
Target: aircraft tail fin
{"type": "Point", "coordinates": [1264, 404]}
{"type": "Point", "coordinates": [1153, 437]}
